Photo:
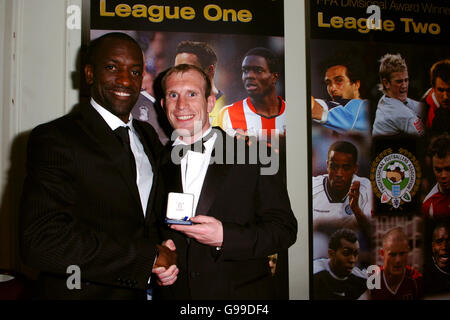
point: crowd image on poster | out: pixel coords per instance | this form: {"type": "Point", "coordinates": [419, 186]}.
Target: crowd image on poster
{"type": "Point", "coordinates": [380, 151]}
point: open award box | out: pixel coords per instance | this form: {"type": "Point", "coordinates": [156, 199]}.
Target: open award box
{"type": "Point", "coordinates": [180, 208]}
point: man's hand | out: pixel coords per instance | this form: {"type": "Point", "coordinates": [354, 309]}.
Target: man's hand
{"type": "Point", "coordinates": [353, 200]}
{"type": "Point", "coordinates": [206, 230]}
{"type": "Point", "coordinates": [316, 109]}
{"type": "Point", "coordinates": [166, 277]}
{"type": "Point", "coordinates": [165, 265]}
{"type": "Point", "coordinates": [353, 197]}
{"type": "Point", "coordinates": [167, 255]}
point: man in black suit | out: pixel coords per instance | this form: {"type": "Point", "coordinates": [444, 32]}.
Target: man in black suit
{"type": "Point", "coordinates": [242, 216]}
{"type": "Point", "coordinates": [89, 197]}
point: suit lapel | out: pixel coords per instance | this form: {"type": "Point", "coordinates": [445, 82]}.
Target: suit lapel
{"type": "Point", "coordinates": [213, 180]}
{"type": "Point", "coordinates": [99, 131]}
{"type": "Point", "coordinates": [211, 184]}
{"type": "Point", "coordinates": [172, 177]}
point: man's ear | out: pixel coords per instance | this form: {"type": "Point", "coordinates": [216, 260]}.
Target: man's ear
{"type": "Point", "coordinates": [355, 169]}
{"type": "Point", "coordinates": [211, 102]}
{"type": "Point", "coordinates": [210, 71]}
{"type": "Point", "coordinates": [162, 103]}
{"type": "Point", "coordinates": [89, 74]}
{"type": "Point", "coordinates": [331, 253]}
{"type": "Point", "coordinates": [276, 76]}
{"type": "Point", "coordinates": [382, 253]}
{"type": "Point", "coordinates": [356, 87]}
{"type": "Point", "coordinates": [385, 83]}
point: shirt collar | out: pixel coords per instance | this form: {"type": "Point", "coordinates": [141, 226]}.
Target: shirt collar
{"type": "Point", "coordinates": [112, 120]}
{"type": "Point", "coordinates": [148, 96]}
{"type": "Point", "coordinates": [395, 99]}
{"type": "Point", "coordinates": [328, 267]}
{"type": "Point", "coordinates": [178, 141]}
{"type": "Point", "coordinates": [433, 96]}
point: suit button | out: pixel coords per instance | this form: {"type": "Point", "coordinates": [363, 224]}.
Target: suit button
{"type": "Point", "coordinates": [195, 275]}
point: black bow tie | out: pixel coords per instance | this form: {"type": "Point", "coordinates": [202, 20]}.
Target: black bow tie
{"type": "Point", "coordinates": [199, 145]}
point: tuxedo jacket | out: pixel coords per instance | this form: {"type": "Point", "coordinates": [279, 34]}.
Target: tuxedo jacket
{"type": "Point", "coordinates": [257, 221]}
{"type": "Point", "coordinates": [81, 207]}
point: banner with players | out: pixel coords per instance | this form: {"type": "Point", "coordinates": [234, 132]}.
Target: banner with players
{"type": "Point", "coordinates": [222, 32]}
{"type": "Point", "coordinates": [379, 87]}
{"type": "Point", "coordinates": [221, 37]}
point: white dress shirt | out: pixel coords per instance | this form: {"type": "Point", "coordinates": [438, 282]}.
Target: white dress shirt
{"type": "Point", "coordinates": [144, 172]}
{"type": "Point", "coordinates": [194, 166]}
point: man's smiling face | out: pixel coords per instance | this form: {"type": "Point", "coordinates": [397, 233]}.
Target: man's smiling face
{"type": "Point", "coordinates": [115, 76]}
{"type": "Point", "coordinates": [186, 104]}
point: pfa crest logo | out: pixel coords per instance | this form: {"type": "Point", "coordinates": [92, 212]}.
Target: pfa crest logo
{"type": "Point", "coordinates": [395, 176]}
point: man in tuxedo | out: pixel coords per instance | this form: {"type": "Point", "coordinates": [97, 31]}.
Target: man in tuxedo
{"type": "Point", "coordinates": [87, 214]}
{"type": "Point", "coordinates": [241, 215]}
{"type": "Point", "coordinates": [202, 55]}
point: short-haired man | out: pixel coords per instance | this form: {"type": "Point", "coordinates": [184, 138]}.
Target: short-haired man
{"type": "Point", "coordinates": [341, 199]}
{"type": "Point", "coordinates": [346, 112]}
{"type": "Point", "coordinates": [338, 277]}
{"type": "Point", "coordinates": [399, 281]}
{"type": "Point", "coordinates": [241, 215]}
{"type": "Point", "coordinates": [437, 269]}
{"type": "Point", "coordinates": [263, 112]}
{"type": "Point", "coordinates": [438, 98]}
{"type": "Point", "coordinates": [202, 55]}
{"type": "Point", "coordinates": [396, 113]}
{"type": "Point", "coordinates": [437, 203]}
{"type": "Point", "coordinates": [91, 192]}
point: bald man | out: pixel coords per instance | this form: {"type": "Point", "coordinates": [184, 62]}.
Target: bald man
{"type": "Point", "coordinates": [399, 281]}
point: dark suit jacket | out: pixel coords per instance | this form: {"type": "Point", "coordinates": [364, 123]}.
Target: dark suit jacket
{"type": "Point", "coordinates": [81, 207]}
{"type": "Point", "coordinates": [257, 221]}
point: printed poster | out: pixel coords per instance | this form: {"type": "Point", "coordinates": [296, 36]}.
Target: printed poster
{"type": "Point", "coordinates": [230, 29]}
{"type": "Point", "coordinates": [379, 79]}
